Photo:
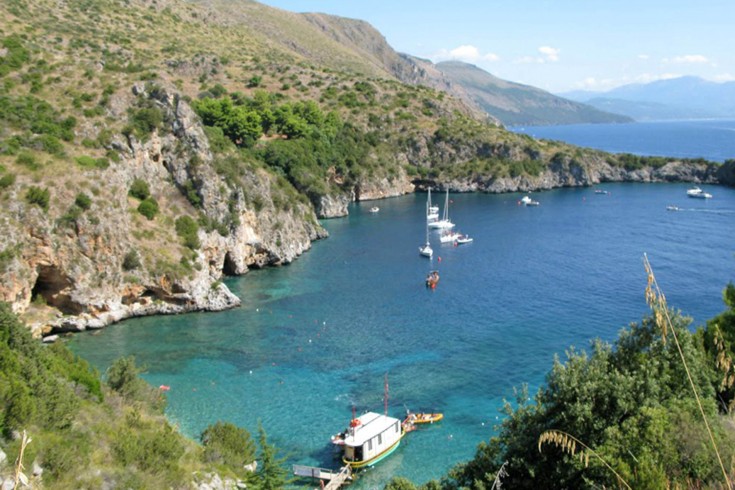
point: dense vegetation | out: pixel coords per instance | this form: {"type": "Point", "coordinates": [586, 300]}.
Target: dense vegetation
{"type": "Point", "coordinates": [631, 404]}
{"type": "Point", "coordinates": [92, 434]}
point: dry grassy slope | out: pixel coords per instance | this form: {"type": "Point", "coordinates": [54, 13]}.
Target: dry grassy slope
{"type": "Point", "coordinates": [514, 103]}
{"type": "Point", "coordinates": [294, 34]}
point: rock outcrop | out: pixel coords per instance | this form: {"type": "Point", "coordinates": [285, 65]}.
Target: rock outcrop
{"type": "Point", "coordinates": [110, 263]}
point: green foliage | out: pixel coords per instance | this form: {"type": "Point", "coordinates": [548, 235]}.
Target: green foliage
{"type": "Point", "coordinates": [187, 229]}
{"type": "Point", "coordinates": [143, 121]}
{"type": "Point", "coordinates": [28, 160]}
{"type": "Point", "coordinates": [16, 56]}
{"type": "Point", "coordinates": [273, 475]}
{"type": "Point", "coordinates": [631, 404]}
{"type": "Point", "coordinates": [226, 444]}
{"type": "Point", "coordinates": [238, 122]}
{"type": "Point", "coordinates": [7, 180]}
{"type": "Point", "coordinates": [139, 189]}
{"type": "Point", "coordinates": [89, 162]}
{"type": "Point", "coordinates": [123, 377]}
{"type": "Point", "coordinates": [39, 196]}
{"type": "Point", "coordinates": [131, 261]}
{"type": "Point", "coordinates": [27, 113]}
{"type": "Point", "coordinates": [144, 445]}
{"type": "Point", "coordinates": [148, 208]}
{"type": "Point", "coordinates": [83, 201]}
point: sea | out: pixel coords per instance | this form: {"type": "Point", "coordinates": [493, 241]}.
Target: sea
{"type": "Point", "coordinates": [319, 339]}
{"type": "Point", "coordinates": [711, 139]}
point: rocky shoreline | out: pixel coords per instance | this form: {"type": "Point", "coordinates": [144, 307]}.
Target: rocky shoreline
{"type": "Point", "coordinates": [70, 275]}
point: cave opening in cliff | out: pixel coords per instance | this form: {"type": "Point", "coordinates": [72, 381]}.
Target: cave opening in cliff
{"type": "Point", "coordinates": [53, 288]}
{"type": "Point", "coordinates": [229, 268]}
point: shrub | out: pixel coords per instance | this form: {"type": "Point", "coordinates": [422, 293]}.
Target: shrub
{"type": "Point", "coordinates": [131, 260]}
{"type": "Point", "coordinates": [148, 208]}
{"type": "Point", "coordinates": [146, 120]}
{"type": "Point", "coordinates": [28, 160]}
{"type": "Point", "coordinates": [187, 229]}
{"type": "Point", "coordinates": [83, 201]}
{"type": "Point", "coordinates": [139, 189]}
{"type": "Point", "coordinates": [89, 162]}
{"type": "Point", "coordinates": [38, 196]}
{"type": "Point", "coordinates": [7, 180]}
{"type": "Point", "coordinates": [225, 443]}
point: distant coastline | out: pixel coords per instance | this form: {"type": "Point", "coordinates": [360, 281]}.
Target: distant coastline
{"type": "Point", "coordinates": [710, 139]}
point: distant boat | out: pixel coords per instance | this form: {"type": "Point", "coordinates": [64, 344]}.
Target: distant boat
{"type": "Point", "coordinates": [672, 208]}
{"type": "Point", "coordinates": [432, 212]}
{"type": "Point", "coordinates": [423, 418]}
{"type": "Point", "coordinates": [698, 193]}
{"type": "Point", "coordinates": [443, 223]}
{"type": "Point", "coordinates": [601, 191]}
{"type": "Point", "coordinates": [449, 236]}
{"type": "Point", "coordinates": [374, 209]}
{"type": "Point", "coordinates": [426, 250]}
{"type": "Point", "coordinates": [462, 238]}
{"type": "Point", "coordinates": [527, 201]}
{"type": "Point", "coordinates": [432, 279]}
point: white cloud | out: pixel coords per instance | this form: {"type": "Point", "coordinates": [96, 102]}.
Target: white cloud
{"type": "Point", "coordinates": [643, 56]}
{"type": "Point", "coordinates": [550, 54]}
{"type": "Point", "coordinates": [687, 58]}
{"type": "Point", "coordinates": [466, 52]}
{"type": "Point", "coordinates": [724, 77]}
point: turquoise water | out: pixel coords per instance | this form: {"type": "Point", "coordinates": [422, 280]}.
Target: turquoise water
{"type": "Point", "coordinates": [712, 139]}
{"type": "Point", "coordinates": [315, 338]}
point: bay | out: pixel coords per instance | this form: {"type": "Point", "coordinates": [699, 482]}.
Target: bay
{"type": "Point", "coordinates": [315, 338]}
{"type": "Point", "coordinates": [711, 139]}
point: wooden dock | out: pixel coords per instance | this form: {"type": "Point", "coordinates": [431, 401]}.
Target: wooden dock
{"type": "Point", "coordinates": [335, 479]}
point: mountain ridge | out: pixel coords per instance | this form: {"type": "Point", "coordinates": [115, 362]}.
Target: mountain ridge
{"type": "Point", "coordinates": [686, 97]}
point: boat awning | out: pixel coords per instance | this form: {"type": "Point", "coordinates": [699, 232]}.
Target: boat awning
{"type": "Point", "coordinates": [371, 424]}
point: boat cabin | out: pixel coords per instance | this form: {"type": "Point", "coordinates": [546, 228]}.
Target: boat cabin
{"type": "Point", "coordinates": [370, 437]}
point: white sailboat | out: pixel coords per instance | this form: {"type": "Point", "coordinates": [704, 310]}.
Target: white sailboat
{"type": "Point", "coordinates": [443, 223]}
{"type": "Point", "coordinates": [432, 212]}
{"type": "Point", "coordinates": [426, 250]}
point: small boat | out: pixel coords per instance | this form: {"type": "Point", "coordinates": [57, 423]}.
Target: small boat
{"type": "Point", "coordinates": [527, 201]}
{"type": "Point", "coordinates": [449, 236]}
{"type": "Point", "coordinates": [424, 418]}
{"type": "Point", "coordinates": [432, 279]}
{"type": "Point", "coordinates": [374, 209]}
{"type": "Point", "coordinates": [462, 238]}
{"type": "Point", "coordinates": [698, 193]}
{"type": "Point", "coordinates": [601, 191]}
{"type": "Point", "coordinates": [432, 212]}
{"type": "Point", "coordinates": [426, 250]}
{"type": "Point", "coordinates": [672, 208]}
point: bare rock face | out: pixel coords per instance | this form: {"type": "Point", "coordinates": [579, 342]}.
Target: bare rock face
{"type": "Point", "coordinates": [111, 263]}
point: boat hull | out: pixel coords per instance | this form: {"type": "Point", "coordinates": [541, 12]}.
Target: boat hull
{"type": "Point", "coordinates": [375, 459]}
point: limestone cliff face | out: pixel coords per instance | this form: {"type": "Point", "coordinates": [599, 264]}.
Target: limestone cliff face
{"type": "Point", "coordinates": [111, 263]}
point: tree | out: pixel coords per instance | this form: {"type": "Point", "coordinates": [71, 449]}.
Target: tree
{"type": "Point", "coordinates": [225, 443]}
{"type": "Point", "coordinates": [271, 473]}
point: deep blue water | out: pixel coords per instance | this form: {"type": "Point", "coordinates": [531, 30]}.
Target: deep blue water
{"type": "Point", "coordinates": [710, 139]}
{"type": "Point", "coordinates": [315, 338]}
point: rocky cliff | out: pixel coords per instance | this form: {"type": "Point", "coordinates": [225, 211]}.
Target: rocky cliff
{"type": "Point", "coordinates": [112, 263]}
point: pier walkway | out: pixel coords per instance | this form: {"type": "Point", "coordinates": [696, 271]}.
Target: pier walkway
{"type": "Point", "coordinates": [334, 479]}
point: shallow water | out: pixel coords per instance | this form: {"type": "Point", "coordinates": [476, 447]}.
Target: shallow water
{"type": "Point", "coordinates": [315, 338]}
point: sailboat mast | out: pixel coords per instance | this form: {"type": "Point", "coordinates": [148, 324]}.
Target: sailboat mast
{"type": "Point", "coordinates": [385, 397]}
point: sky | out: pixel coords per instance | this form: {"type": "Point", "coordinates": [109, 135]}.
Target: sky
{"type": "Point", "coordinates": [556, 45]}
